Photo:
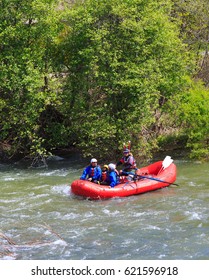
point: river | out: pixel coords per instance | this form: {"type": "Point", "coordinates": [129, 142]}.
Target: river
{"type": "Point", "coordinates": [42, 220]}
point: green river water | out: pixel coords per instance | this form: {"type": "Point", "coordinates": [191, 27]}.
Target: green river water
{"type": "Point", "coordinates": [42, 220]}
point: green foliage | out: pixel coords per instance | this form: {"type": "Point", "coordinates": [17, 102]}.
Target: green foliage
{"type": "Point", "coordinates": [186, 121]}
{"type": "Point", "coordinates": [100, 73]}
{"type": "Point", "coordinates": [193, 18]}
{"type": "Point", "coordinates": [194, 112]}
{"type": "Point", "coordinates": [28, 32]}
{"type": "Point", "coordinates": [123, 57]}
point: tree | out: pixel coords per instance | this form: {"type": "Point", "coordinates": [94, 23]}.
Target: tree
{"type": "Point", "coordinates": [28, 33]}
{"type": "Point", "coordinates": [193, 20]}
{"type": "Point", "coordinates": [125, 60]}
{"type": "Point", "coordinates": [193, 114]}
{"type": "Point", "coordinates": [97, 73]}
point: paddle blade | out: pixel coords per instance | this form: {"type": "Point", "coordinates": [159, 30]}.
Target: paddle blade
{"type": "Point", "coordinates": [167, 161]}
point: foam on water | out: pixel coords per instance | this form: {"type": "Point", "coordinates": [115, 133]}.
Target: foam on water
{"type": "Point", "coordinates": [193, 215]}
{"type": "Point", "coordinates": [37, 205]}
{"type": "Point", "coordinates": [61, 189]}
{"type": "Point", "coordinates": [113, 214]}
{"type": "Point", "coordinates": [9, 179]}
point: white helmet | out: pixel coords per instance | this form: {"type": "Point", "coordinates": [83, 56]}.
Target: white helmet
{"type": "Point", "coordinates": [112, 166]}
{"type": "Point", "coordinates": [93, 160]}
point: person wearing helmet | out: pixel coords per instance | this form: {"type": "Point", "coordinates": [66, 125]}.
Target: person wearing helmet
{"type": "Point", "coordinates": [112, 176]}
{"type": "Point", "coordinates": [104, 175]}
{"type": "Point", "coordinates": [92, 172]}
{"type": "Point", "coordinates": [128, 162]}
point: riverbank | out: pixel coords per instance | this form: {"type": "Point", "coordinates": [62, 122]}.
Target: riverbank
{"type": "Point", "coordinates": [176, 151]}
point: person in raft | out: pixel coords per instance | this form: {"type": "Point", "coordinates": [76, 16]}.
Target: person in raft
{"type": "Point", "coordinates": [104, 175]}
{"type": "Point", "coordinates": [92, 172]}
{"type": "Point", "coordinates": [112, 176]}
{"type": "Point", "coordinates": [128, 162]}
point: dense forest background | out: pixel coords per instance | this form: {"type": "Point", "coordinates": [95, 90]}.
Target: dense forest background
{"type": "Point", "coordinates": [93, 74]}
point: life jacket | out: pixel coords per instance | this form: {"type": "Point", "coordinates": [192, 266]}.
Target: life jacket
{"type": "Point", "coordinates": [104, 176]}
{"type": "Point", "coordinates": [92, 171]}
{"type": "Point", "coordinates": [129, 161]}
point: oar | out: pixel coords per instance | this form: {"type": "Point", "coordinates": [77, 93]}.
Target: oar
{"type": "Point", "coordinates": [166, 162]}
{"type": "Point", "coordinates": [156, 179]}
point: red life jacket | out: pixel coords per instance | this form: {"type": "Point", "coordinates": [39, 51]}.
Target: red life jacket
{"type": "Point", "coordinates": [104, 176]}
{"type": "Point", "coordinates": [91, 175]}
{"type": "Point", "coordinates": [129, 161]}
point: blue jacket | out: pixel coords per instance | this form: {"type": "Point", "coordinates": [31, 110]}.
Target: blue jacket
{"type": "Point", "coordinates": [112, 179]}
{"type": "Point", "coordinates": [87, 173]}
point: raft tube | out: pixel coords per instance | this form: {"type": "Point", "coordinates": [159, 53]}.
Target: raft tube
{"type": "Point", "coordinates": [153, 178]}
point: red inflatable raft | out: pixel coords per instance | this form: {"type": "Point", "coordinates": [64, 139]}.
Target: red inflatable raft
{"type": "Point", "coordinates": [151, 178]}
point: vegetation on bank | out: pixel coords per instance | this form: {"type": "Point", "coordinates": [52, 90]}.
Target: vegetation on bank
{"type": "Point", "coordinates": [96, 73]}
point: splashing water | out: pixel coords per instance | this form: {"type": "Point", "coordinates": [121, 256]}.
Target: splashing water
{"type": "Point", "coordinates": [41, 219]}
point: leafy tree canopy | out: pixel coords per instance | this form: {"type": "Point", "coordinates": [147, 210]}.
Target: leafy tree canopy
{"type": "Point", "coordinates": [97, 73]}
{"type": "Point", "coordinates": [125, 60]}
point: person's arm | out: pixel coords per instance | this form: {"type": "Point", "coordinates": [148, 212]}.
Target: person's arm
{"type": "Point", "coordinates": [85, 173]}
{"type": "Point", "coordinates": [113, 179]}
{"type": "Point", "coordinates": [121, 161]}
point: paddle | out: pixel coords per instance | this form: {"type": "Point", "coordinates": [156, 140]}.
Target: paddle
{"type": "Point", "coordinates": [166, 162]}
{"type": "Point", "coordinates": [156, 179]}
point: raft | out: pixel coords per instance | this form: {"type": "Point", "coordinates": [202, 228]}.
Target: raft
{"type": "Point", "coordinates": [149, 178]}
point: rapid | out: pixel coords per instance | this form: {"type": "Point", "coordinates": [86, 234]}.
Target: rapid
{"type": "Point", "coordinates": [42, 220]}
